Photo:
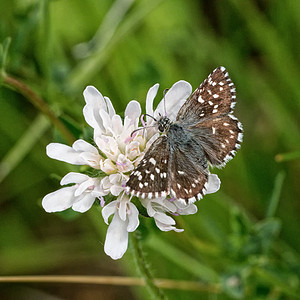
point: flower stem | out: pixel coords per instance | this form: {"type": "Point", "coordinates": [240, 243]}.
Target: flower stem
{"type": "Point", "coordinates": [113, 280]}
{"type": "Point", "coordinates": [143, 267]}
{"type": "Point", "coordinates": [40, 104]}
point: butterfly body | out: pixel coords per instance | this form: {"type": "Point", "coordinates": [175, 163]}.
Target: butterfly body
{"type": "Point", "coordinates": [204, 132]}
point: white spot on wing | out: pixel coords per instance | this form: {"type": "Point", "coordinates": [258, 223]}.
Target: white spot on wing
{"type": "Point", "coordinates": [200, 99]}
{"type": "Point", "coordinates": [152, 160]}
{"type": "Point", "coordinates": [240, 137]}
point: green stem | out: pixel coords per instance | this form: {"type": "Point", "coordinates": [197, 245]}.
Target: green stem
{"type": "Point", "coordinates": [143, 267]}
{"type": "Point", "coordinates": [40, 104]}
{"type": "Point", "coordinates": [275, 195]}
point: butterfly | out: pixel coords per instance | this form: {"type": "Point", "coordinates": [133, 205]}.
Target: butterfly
{"type": "Point", "coordinates": [205, 133]}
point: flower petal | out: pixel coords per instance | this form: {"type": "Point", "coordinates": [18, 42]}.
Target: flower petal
{"type": "Point", "coordinates": [59, 200]}
{"type": "Point", "coordinates": [149, 100]}
{"type": "Point", "coordinates": [93, 97]}
{"type": "Point", "coordinates": [175, 97]}
{"type": "Point", "coordinates": [163, 218]}
{"type": "Point", "coordinates": [213, 184]}
{"type": "Point", "coordinates": [64, 153]}
{"type": "Point", "coordinates": [73, 177]}
{"type": "Point", "coordinates": [83, 146]}
{"type": "Point", "coordinates": [106, 121]}
{"type": "Point", "coordinates": [84, 186]}
{"type": "Point", "coordinates": [116, 190]}
{"type": "Point", "coordinates": [107, 166]}
{"type": "Point", "coordinates": [117, 125]}
{"type": "Point", "coordinates": [164, 227]}
{"type": "Point", "coordinates": [188, 209]}
{"type": "Point", "coordinates": [109, 209]}
{"type": "Point", "coordinates": [133, 110]}
{"type": "Point", "coordinates": [116, 240]}
{"type": "Point", "coordinates": [108, 145]}
{"type": "Point", "coordinates": [94, 103]}
{"type": "Point", "coordinates": [133, 217]}
{"type": "Point", "coordinates": [110, 107]}
{"type": "Point", "coordinates": [123, 209]}
{"type": "Point", "coordinates": [91, 159]}
{"type": "Point", "coordinates": [84, 204]}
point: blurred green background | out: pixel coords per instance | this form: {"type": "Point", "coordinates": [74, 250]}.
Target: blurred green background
{"type": "Point", "coordinates": [244, 241]}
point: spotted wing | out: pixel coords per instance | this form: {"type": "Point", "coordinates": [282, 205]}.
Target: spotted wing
{"type": "Point", "coordinates": [214, 97]}
{"type": "Point", "coordinates": [220, 138]}
{"type": "Point", "coordinates": [189, 172]}
{"type": "Point", "coordinates": [150, 178]}
{"type": "Point", "coordinates": [208, 114]}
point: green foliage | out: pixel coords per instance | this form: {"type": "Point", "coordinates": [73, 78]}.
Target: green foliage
{"type": "Point", "coordinates": [243, 242]}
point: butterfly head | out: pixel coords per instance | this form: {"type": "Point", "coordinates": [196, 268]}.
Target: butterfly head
{"type": "Point", "coordinates": [163, 124]}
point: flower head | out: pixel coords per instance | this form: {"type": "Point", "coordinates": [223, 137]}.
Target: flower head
{"type": "Point", "coordinates": [118, 148]}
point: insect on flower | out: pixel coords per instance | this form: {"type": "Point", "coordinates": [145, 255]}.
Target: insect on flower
{"type": "Point", "coordinates": [204, 132]}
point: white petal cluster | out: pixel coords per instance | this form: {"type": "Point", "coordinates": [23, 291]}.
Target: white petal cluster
{"type": "Point", "coordinates": [115, 153]}
{"type": "Point", "coordinates": [125, 219]}
{"type": "Point", "coordinates": [160, 209]}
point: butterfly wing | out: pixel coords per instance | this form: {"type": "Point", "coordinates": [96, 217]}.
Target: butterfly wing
{"type": "Point", "coordinates": [214, 97]}
{"type": "Point", "coordinates": [208, 114]}
{"type": "Point", "coordinates": [220, 138]}
{"type": "Point", "coordinates": [189, 173]}
{"type": "Point", "coordinates": [151, 177]}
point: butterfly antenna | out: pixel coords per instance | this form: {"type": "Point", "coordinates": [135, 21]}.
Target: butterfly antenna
{"type": "Point", "coordinates": [143, 123]}
{"type": "Point", "coordinates": [164, 93]}
{"type": "Point", "coordinates": [149, 116]}
{"type": "Point", "coordinates": [141, 128]}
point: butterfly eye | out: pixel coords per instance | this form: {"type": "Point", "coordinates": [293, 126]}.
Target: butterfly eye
{"type": "Point", "coordinates": [161, 128]}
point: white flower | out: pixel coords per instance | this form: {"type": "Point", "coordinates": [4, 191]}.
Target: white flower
{"type": "Point", "coordinates": [112, 137]}
{"type": "Point", "coordinates": [81, 153]}
{"type": "Point", "coordinates": [80, 196]}
{"type": "Point", "coordinates": [125, 219]}
{"type": "Point", "coordinates": [116, 153]}
{"type": "Point", "coordinates": [160, 207]}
